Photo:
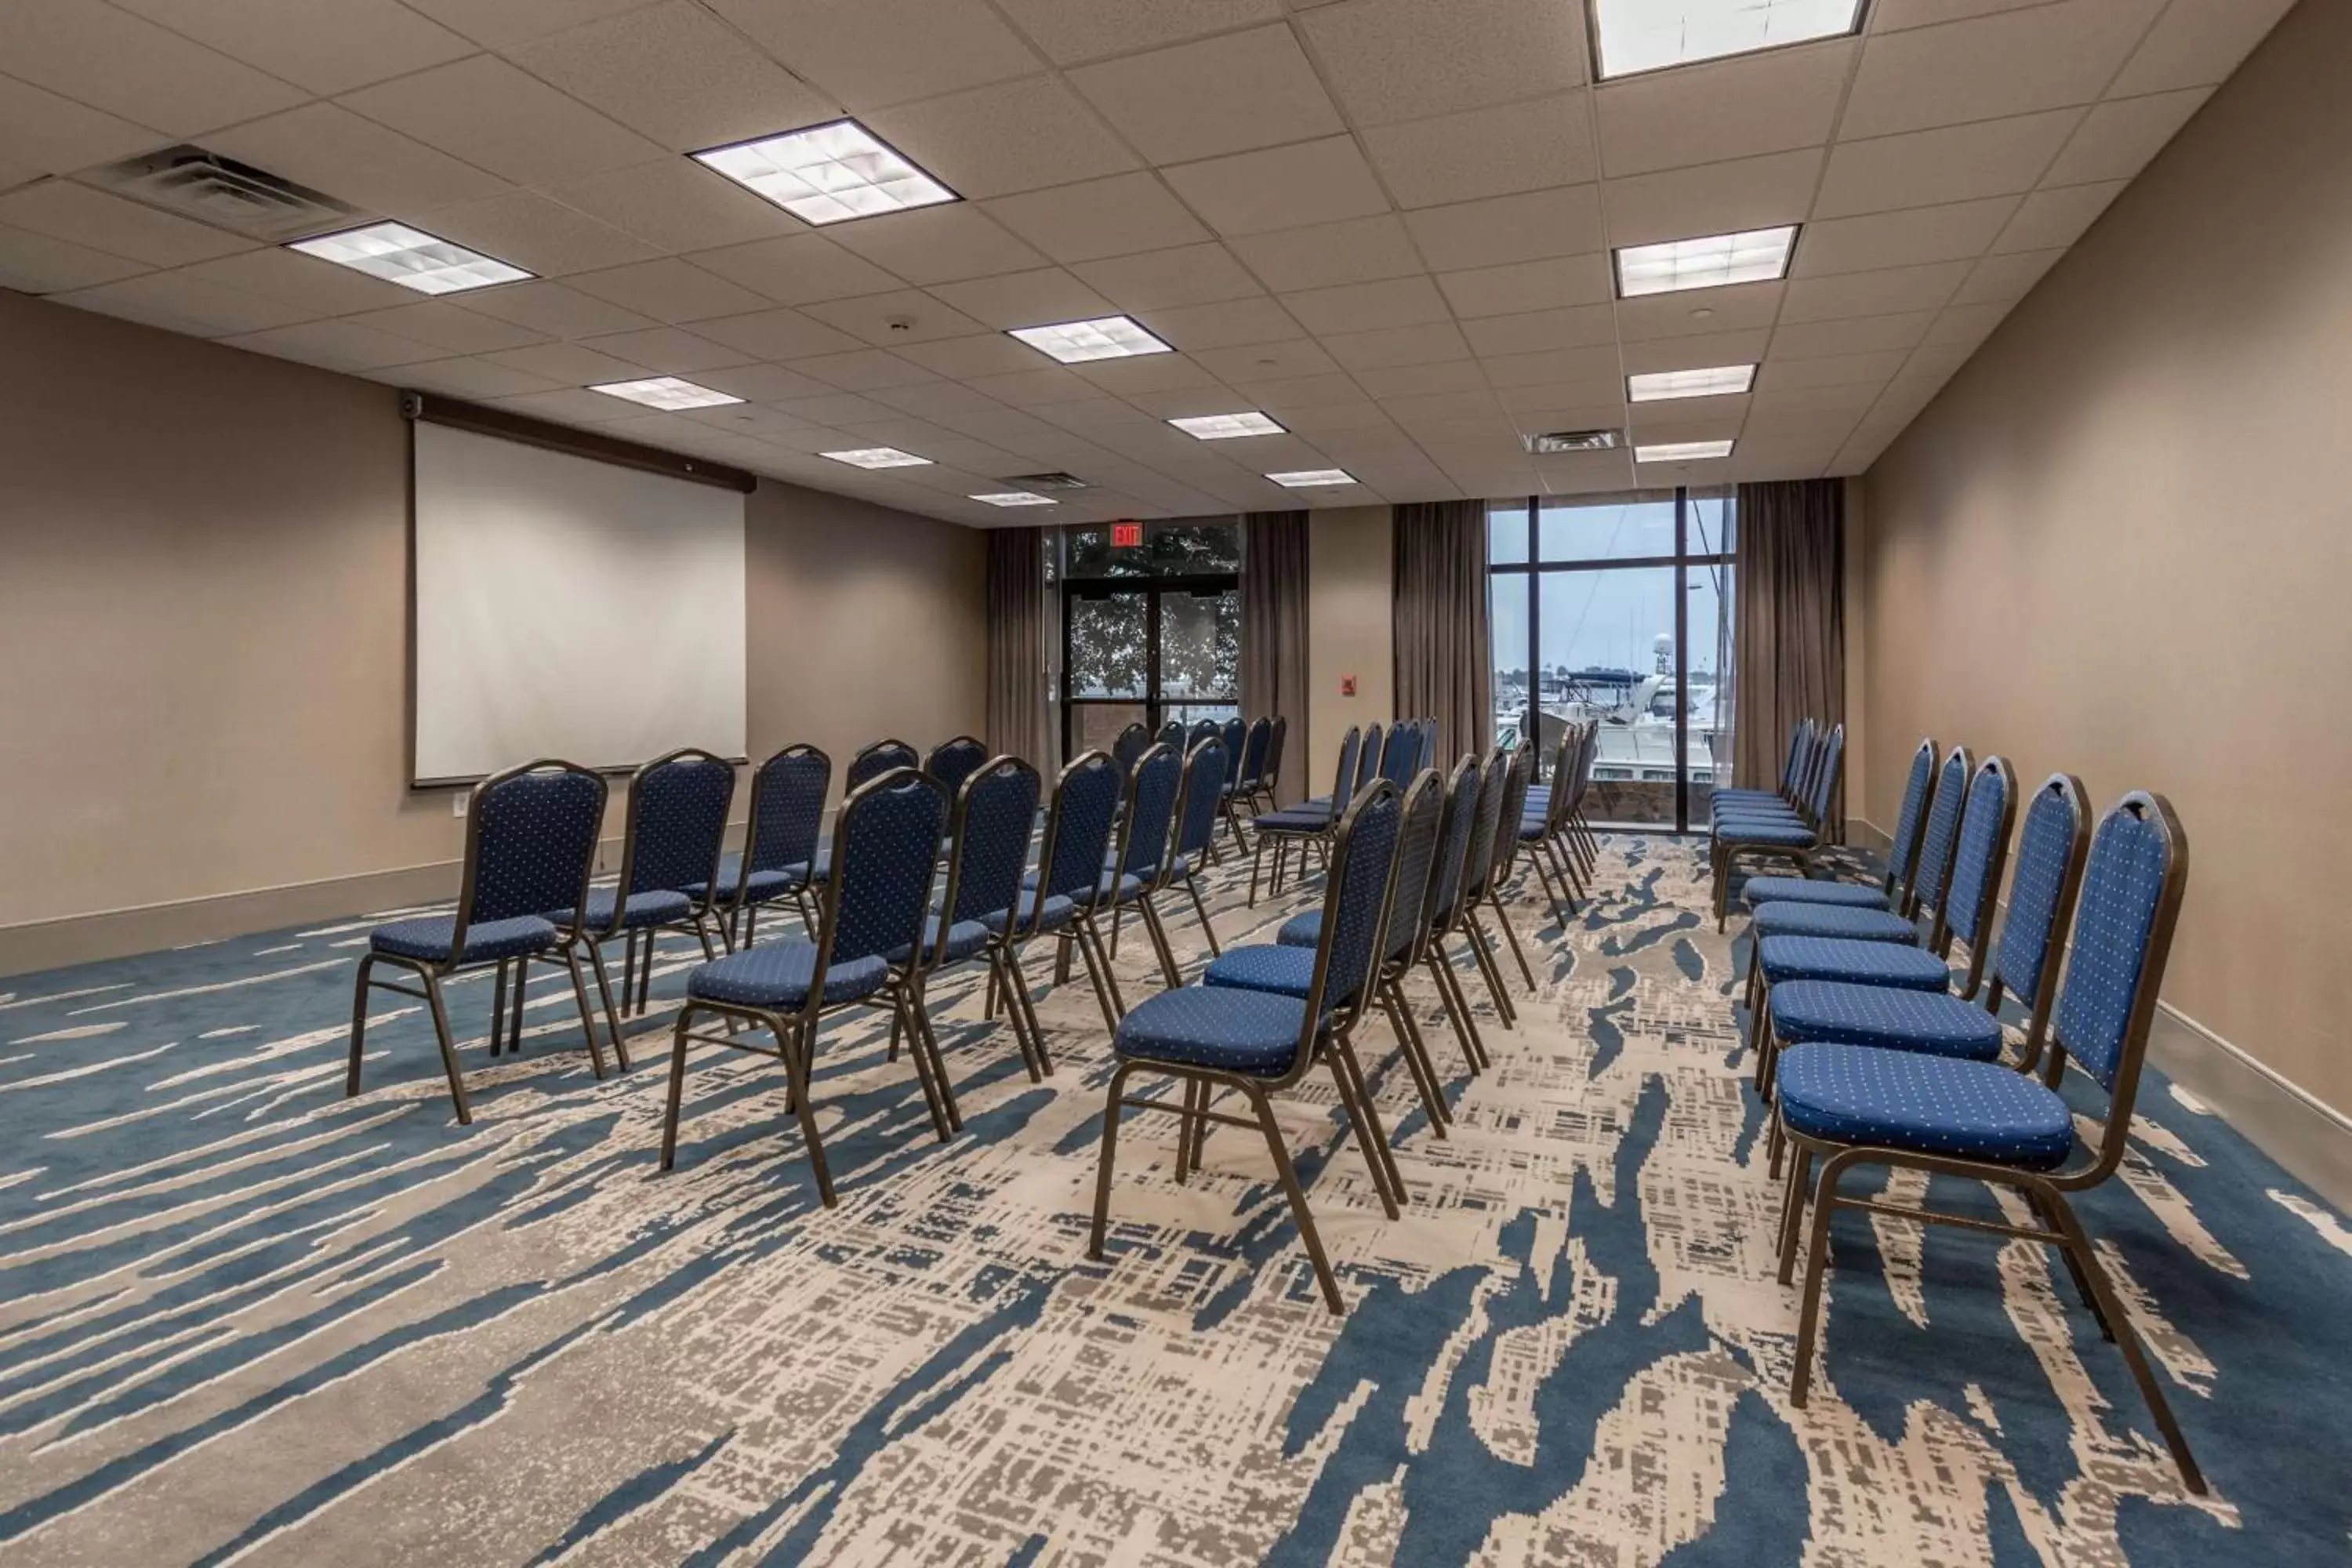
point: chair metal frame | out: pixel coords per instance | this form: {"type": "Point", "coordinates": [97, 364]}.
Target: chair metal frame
{"type": "Point", "coordinates": [430, 973]}
{"type": "Point", "coordinates": [1247, 758]}
{"type": "Point", "coordinates": [1399, 961]}
{"type": "Point", "coordinates": [1175, 867]}
{"type": "Point", "coordinates": [1462, 920]}
{"type": "Point", "coordinates": [1468, 780]}
{"type": "Point", "coordinates": [966, 745]}
{"type": "Point", "coordinates": [1319, 837]}
{"type": "Point", "coordinates": [881, 757]}
{"type": "Point", "coordinates": [1091, 914]}
{"type": "Point", "coordinates": [1073, 934]}
{"type": "Point", "coordinates": [1822, 776]}
{"type": "Point", "coordinates": [2043, 1191]}
{"type": "Point", "coordinates": [1269, 773]}
{"type": "Point", "coordinates": [735, 910]}
{"type": "Point", "coordinates": [1320, 1039]}
{"type": "Point", "coordinates": [1520, 769]}
{"type": "Point", "coordinates": [1559, 885]}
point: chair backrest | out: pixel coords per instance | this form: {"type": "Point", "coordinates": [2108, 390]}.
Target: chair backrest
{"type": "Point", "coordinates": [1491, 792]}
{"type": "Point", "coordinates": [530, 843]}
{"type": "Point", "coordinates": [1417, 845]}
{"type": "Point", "coordinates": [1151, 810]}
{"type": "Point", "coordinates": [1270, 771]}
{"type": "Point", "coordinates": [677, 823]}
{"type": "Point", "coordinates": [1809, 757]}
{"type": "Point", "coordinates": [1825, 777]}
{"type": "Point", "coordinates": [1131, 743]}
{"type": "Point", "coordinates": [878, 759]}
{"type": "Point", "coordinates": [1235, 736]}
{"type": "Point", "coordinates": [1171, 735]}
{"type": "Point", "coordinates": [1566, 761]}
{"type": "Point", "coordinates": [1521, 763]}
{"type": "Point", "coordinates": [952, 761]}
{"type": "Point", "coordinates": [1399, 758]}
{"type": "Point", "coordinates": [1255, 744]}
{"type": "Point", "coordinates": [1934, 872]}
{"type": "Point", "coordinates": [2124, 919]}
{"type": "Point", "coordinates": [1355, 907]}
{"type": "Point", "coordinates": [1368, 758]}
{"type": "Point", "coordinates": [1078, 836]}
{"type": "Point", "coordinates": [2042, 899]}
{"type": "Point", "coordinates": [885, 848]}
{"type": "Point", "coordinates": [1464, 793]}
{"type": "Point", "coordinates": [994, 811]}
{"type": "Point", "coordinates": [1966, 910]}
{"type": "Point", "coordinates": [1203, 730]}
{"type": "Point", "coordinates": [1343, 783]}
{"type": "Point", "coordinates": [1202, 796]}
{"type": "Point", "coordinates": [1903, 853]}
{"type": "Point", "coordinates": [787, 809]}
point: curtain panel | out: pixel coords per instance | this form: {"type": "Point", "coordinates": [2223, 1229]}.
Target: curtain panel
{"type": "Point", "coordinates": [1444, 655]}
{"type": "Point", "coordinates": [1791, 623]}
{"type": "Point", "coordinates": [1273, 635]}
{"type": "Point", "coordinates": [1018, 720]}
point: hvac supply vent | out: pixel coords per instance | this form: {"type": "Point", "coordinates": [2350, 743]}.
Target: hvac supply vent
{"type": "Point", "coordinates": [224, 193]}
{"type": "Point", "coordinates": [1572, 441]}
{"type": "Point", "coordinates": [1053, 481]}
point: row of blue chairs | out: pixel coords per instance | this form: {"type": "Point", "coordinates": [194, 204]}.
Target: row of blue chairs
{"type": "Point", "coordinates": [1253, 755]}
{"type": "Point", "coordinates": [1402, 752]}
{"type": "Point", "coordinates": [1866, 1057]}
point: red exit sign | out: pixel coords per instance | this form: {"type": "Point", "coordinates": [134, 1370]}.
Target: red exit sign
{"type": "Point", "coordinates": [1125, 535]}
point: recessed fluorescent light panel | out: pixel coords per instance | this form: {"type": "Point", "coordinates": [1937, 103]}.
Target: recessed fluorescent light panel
{"type": "Point", "coordinates": [1309, 478]}
{"type": "Point", "coordinates": [827, 173]}
{"type": "Point", "coordinates": [666, 391]}
{"type": "Point", "coordinates": [1076, 342]}
{"type": "Point", "coordinates": [410, 257]}
{"type": "Point", "coordinates": [1652, 34]}
{"type": "Point", "coordinates": [1682, 452]}
{"type": "Point", "coordinates": [1721, 382]}
{"type": "Point", "coordinates": [877, 457]}
{"type": "Point", "coordinates": [1710, 261]}
{"type": "Point", "coordinates": [1018, 497]}
{"type": "Point", "coordinates": [1225, 426]}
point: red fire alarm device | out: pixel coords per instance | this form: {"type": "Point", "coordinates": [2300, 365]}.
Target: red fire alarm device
{"type": "Point", "coordinates": [1125, 535]}
{"type": "Point", "coordinates": [1347, 685]}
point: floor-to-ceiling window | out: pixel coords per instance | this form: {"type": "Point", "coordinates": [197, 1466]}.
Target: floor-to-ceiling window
{"type": "Point", "coordinates": [1152, 626]}
{"type": "Point", "coordinates": [1619, 609]}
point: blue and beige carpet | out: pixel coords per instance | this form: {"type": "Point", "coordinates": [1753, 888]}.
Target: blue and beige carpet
{"type": "Point", "coordinates": [245, 1320]}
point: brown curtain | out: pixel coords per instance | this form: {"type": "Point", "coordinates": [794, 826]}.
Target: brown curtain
{"type": "Point", "coordinates": [1017, 719]}
{"type": "Point", "coordinates": [1273, 634]}
{"type": "Point", "coordinates": [1791, 623]}
{"type": "Point", "coordinates": [1444, 655]}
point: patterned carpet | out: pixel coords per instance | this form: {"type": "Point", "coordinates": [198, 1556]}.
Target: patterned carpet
{"type": "Point", "coordinates": [244, 1320]}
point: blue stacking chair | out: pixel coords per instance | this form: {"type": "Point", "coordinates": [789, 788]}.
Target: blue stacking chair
{"type": "Point", "coordinates": [1069, 882]}
{"type": "Point", "coordinates": [1401, 758]}
{"type": "Point", "coordinates": [1466, 802]}
{"type": "Point", "coordinates": [1520, 768]}
{"type": "Point", "coordinates": [1309, 824]}
{"type": "Point", "coordinates": [887, 833]}
{"type": "Point", "coordinates": [1540, 831]}
{"type": "Point", "coordinates": [1268, 779]}
{"type": "Point", "coordinates": [952, 761]}
{"type": "Point", "coordinates": [1368, 767]}
{"type": "Point", "coordinates": [1218, 1037]}
{"type": "Point", "coordinates": [1203, 730]}
{"type": "Point", "coordinates": [1238, 738]}
{"type": "Point", "coordinates": [669, 857]}
{"type": "Point", "coordinates": [1811, 753]}
{"type": "Point", "coordinates": [1960, 881]}
{"type": "Point", "coordinates": [1128, 876]}
{"type": "Point", "coordinates": [1198, 803]}
{"type": "Point", "coordinates": [780, 841]}
{"type": "Point", "coordinates": [1951, 1116]}
{"type": "Point", "coordinates": [880, 758]}
{"type": "Point", "coordinates": [530, 846]}
{"type": "Point", "coordinates": [995, 808]}
{"type": "Point", "coordinates": [1171, 735]}
{"type": "Point", "coordinates": [1901, 855]}
{"type": "Point", "coordinates": [1130, 744]}
{"type": "Point", "coordinates": [1790, 789]}
{"type": "Point", "coordinates": [1776, 835]}
{"type": "Point", "coordinates": [1462, 914]}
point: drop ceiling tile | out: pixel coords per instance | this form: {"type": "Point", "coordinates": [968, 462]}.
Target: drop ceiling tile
{"type": "Point", "coordinates": [864, 370]}
{"type": "Point", "coordinates": [1949, 233]}
{"type": "Point", "coordinates": [1408, 59]}
{"type": "Point", "coordinates": [668, 289]}
{"type": "Point", "coordinates": [1416, 380]}
{"type": "Point", "coordinates": [313, 287]}
{"type": "Point", "coordinates": [1091, 413]}
{"type": "Point", "coordinates": [1712, 199]}
{"type": "Point", "coordinates": [1966, 325]}
{"type": "Point", "coordinates": [323, 48]}
{"type": "Point", "coordinates": [674, 73]}
{"type": "Point", "coordinates": [672, 351]}
{"type": "Point", "coordinates": [1555, 366]}
{"type": "Point", "coordinates": [354, 158]}
{"type": "Point", "coordinates": [1161, 280]}
{"type": "Point", "coordinates": [1737, 307]}
{"type": "Point", "coordinates": [1776, 101]}
{"type": "Point", "coordinates": [555, 309]}
{"type": "Point", "coordinates": [1220, 95]}
{"type": "Point", "coordinates": [1032, 298]}
{"type": "Point", "coordinates": [499, 23]}
{"type": "Point", "coordinates": [1850, 399]}
{"type": "Point", "coordinates": [1007, 137]}
{"type": "Point", "coordinates": [1324, 255]}
{"type": "Point", "coordinates": [1028, 388]}
{"type": "Point", "coordinates": [568, 406]}
{"type": "Point", "coordinates": [1928, 168]}
{"type": "Point", "coordinates": [1224, 324]}
{"type": "Point", "coordinates": [1505, 229]}
{"type": "Point", "coordinates": [985, 354]}
{"type": "Point", "coordinates": [796, 270]}
{"type": "Point", "coordinates": [127, 66]}
{"type": "Point", "coordinates": [765, 383]}
{"type": "Point", "coordinates": [870, 53]}
{"type": "Point", "coordinates": [1878, 294]}
{"type": "Point", "coordinates": [1117, 217]}
{"type": "Point", "coordinates": [1295, 359]}
{"type": "Point", "coordinates": [181, 303]}
{"type": "Point", "coordinates": [677, 204]}
{"type": "Point", "coordinates": [12, 174]}
{"type": "Point", "coordinates": [1855, 335]}
{"type": "Point", "coordinates": [2003, 277]}
{"type": "Point", "coordinates": [337, 345]}
{"type": "Point", "coordinates": [1528, 285]}
{"type": "Point", "coordinates": [575, 363]}
{"type": "Point", "coordinates": [2196, 43]}
{"type": "Point", "coordinates": [938, 244]}
{"type": "Point", "coordinates": [1780, 375]}
{"type": "Point", "coordinates": [1486, 152]}
{"type": "Point", "coordinates": [80, 215]}
{"type": "Point", "coordinates": [539, 236]}
{"type": "Point", "coordinates": [777, 334]}
{"type": "Point", "coordinates": [1573, 326]}
{"type": "Point", "coordinates": [1283, 188]}
{"type": "Point", "coordinates": [1561, 404]}
{"type": "Point", "coordinates": [1394, 346]}
{"type": "Point", "coordinates": [2116, 139]}
{"type": "Point", "coordinates": [448, 327]}
{"type": "Point", "coordinates": [56, 135]}
{"type": "Point", "coordinates": [471, 378]}
{"type": "Point", "coordinates": [491, 114]}
{"type": "Point", "coordinates": [41, 264]}
{"type": "Point", "coordinates": [838, 408]}
{"type": "Point", "coordinates": [1651, 418]}
{"type": "Point", "coordinates": [1150, 373]}
{"type": "Point", "coordinates": [1364, 307]}
{"type": "Point", "coordinates": [2055, 218]}
{"type": "Point", "coordinates": [1281, 395]}
{"type": "Point", "coordinates": [892, 320]}
{"type": "Point", "coordinates": [1073, 30]}
{"type": "Point", "coordinates": [1697, 352]}
{"type": "Point", "coordinates": [935, 399]}
{"type": "Point", "coordinates": [2017, 62]}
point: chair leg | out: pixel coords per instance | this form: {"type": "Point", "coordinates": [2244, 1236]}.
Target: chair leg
{"type": "Point", "coordinates": [1184, 1123]}
{"type": "Point", "coordinates": [604, 993]}
{"type": "Point", "coordinates": [1118, 913]}
{"type": "Point", "coordinates": [1062, 959]}
{"type": "Point", "coordinates": [999, 981]}
{"type": "Point", "coordinates": [629, 972]}
{"type": "Point", "coordinates": [1291, 1190]}
{"type": "Point", "coordinates": [1258, 859]}
{"type": "Point", "coordinates": [1106, 1158]}
{"type": "Point", "coordinates": [1488, 970]}
{"type": "Point", "coordinates": [899, 1003]}
{"type": "Point", "coordinates": [1098, 971]}
{"type": "Point", "coordinates": [702, 935]}
{"type": "Point", "coordinates": [799, 1045]}
{"type": "Point", "coordinates": [1817, 1254]}
{"type": "Point", "coordinates": [449, 1049]}
{"type": "Point", "coordinates": [1169, 969]}
{"type": "Point", "coordinates": [1457, 1013]}
{"type": "Point", "coordinates": [1503, 918]}
{"type": "Point", "coordinates": [2044, 1210]}
{"type": "Point", "coordinates": [588, 1015]}
{"type": "Point", "coordinates": [677, 1087]}
{"type": "Point", "coordinates": [514, 1022]}
{"type": "Point", "coordinates": [1201, 908]}
{"type": "Point", "coordinates": [1416, 1057]}
{"type": "Point", "coordinates": [1017, 999]}
{"type": "Point", "coordinates": [1793, 1206]}
{"type": "Point", "coordinates": [928, 1042]}
{"type": "Point", "coordinates": [497, 1006]}
{"type": "Point", "coordinates": [1356, 1097]}
{"type": "Point", "coordinates": [646, 971]}
{"type": "Point", "coordinates": [359, 1023]}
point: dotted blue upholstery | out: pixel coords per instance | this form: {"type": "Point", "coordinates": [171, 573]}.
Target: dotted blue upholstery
{"type": "Point", "coordinates": [888, 847]}
{"type": "Point", "coordinates": [1787, 958]}
{"type": "Point", "coordinates": [1367, 763]}
{"type": "Point", "coordinates": [2044, 851]}
{"type": "Point", "coordinates": [1827, 1012]}
{"type": "Point", "coordinates": [1907, 820]}
{"type": "Point", "coordinates": [1085, 803]}
{"type": "Point", "coordinates": [952, 761]}
{"type": "Point", "coordinates": [1357, 895]}
{"type": "Point", "coordinates": [1831, 920]}
{"type": "Point", "coordinates": [999, 808]}
{"type": "Point", "coordinates": [1761, 891]}
{"type": "Point", "coordinates": [788, 809]}
{"type": "Point", "coordinates": [1130, 744]}
{"type": "Point", "coordinates": [427, 938]}
{"type": "Point", "coordinates": [758, 888]}
{"type": "Point", "coordinates": [776, 977]}
{"type": "Point", "coordinates": [878, 759]}
{"type": "Point", "coordinates": [1302, 930]}
{"type": "Point", "coordinates": [1424, 818]}
{"type": "Point", "coordinates": [1454, 846]}
{"type": "Point", "coordinates": [1478, 859]}
{"type": "Point", "coordinates": [1251, 1032]}
{"type": "Point", "coordinates": [657, 906]}
{"type": "Point", "coordinates": [1923, 1105]}
{"type": "Point", "coordinates": [1204, 778]}
{"type": "Point", "coordinates": [1975, 865]}
{"type": "Point", "coordinates": [1284, 971]}
{"type": "Point", "coordinates": [535, 835]}
{"type": "Point", "coordinates": [1399, 759]}
{"type": "Point", "coordinates": [678, 819]}
{"type": "Point", "coordinates": [1764, 835]}
{"type": "Point", "coordinates": [964, 937]}
{"type": "Point", "coordinates": [1270, 771]}
{"type": "Point", "coordinates": [1150, 812]}
{"type": "Point", "coordinates": [1053, 916]}
{"type": "Point", "coordinates": [2122, 885]}
{"type": "Point", "coordinates": [1252, 771]}
{"type": "Point", "coordinates": [1294, 819]}
{"type": "Point", "coordinates": [1826, 775]}
{"type": "Point", "coordinates": [1344, 789]}
{"type": "Point", "coordinates": [1517, 769]}
{"type": "Point", "coordinates": [1171, 735]}
{"type": "Point", "coordinates": [1935, 867]}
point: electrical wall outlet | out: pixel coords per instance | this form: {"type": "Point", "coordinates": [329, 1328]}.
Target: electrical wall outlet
{"type": "Point", "coordinates": [458, 802]}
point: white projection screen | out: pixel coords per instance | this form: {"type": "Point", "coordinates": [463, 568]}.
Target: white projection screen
{"type": "Point", "coordinates": [569, 608]}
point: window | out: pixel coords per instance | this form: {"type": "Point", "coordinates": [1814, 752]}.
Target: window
{"type": "Point", "coordinates": [1619, 610]}
{"type": "Point", "coordinates": [1152, 631]}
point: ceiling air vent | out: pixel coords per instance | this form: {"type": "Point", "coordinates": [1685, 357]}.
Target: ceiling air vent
{"type": "Point", "coordinates": [1572, 441]}
{"type": "Point", "coordinates": [224, 193]}
{"type": "Point", "coordinates": [1053, 481]}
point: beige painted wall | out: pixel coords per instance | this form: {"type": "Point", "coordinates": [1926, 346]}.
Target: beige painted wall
{"type": "Point", "coordinates": [2120, 542]}
{"type": "Point", "coordinates": [1350, 630]}
{"type": "Point", "coordinates": [204, 660]}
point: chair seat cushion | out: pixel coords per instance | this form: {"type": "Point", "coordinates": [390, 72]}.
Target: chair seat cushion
{"type": "Point", "coordinates": [1305, 929]}
{"type": "Point", "coordinates": [1761, 891]}
{"type": "Point", "coordinates": [1057, 913]}
{"type": "Point", "coordinates": [1923, 1105]}
{"type": "Point", "coordinates": [1293, 819]}
{"type": "Point", "coordinates": [820, 870]}
{"type": "Point", "coordinates": [1284, 971]}
{"type": "Point", "coordinates": [763, 887]}
{"type": "Point", "coordinates": [1828, 1012]}
{"type": "Point", "coordinates": [964, 938]}
{"type": "Point", "coordinates": [427, 937]}
{"type": "Point", "coordinates": [1775, 834]}
{"type": "Point", "coordinates": [1253, 1032]}
{"type": "Point", "coordinates": [1833, 919]}
{"type": "Point", "coordinates": [1755, 813]}
{"type": "Point", "coordinates": [1896, 964]}
{"type": "Point", "coordinates": [776, 977]}
{"type": "Point", "coordinates": [1727, 795]}
{"type": "Point", "coordinates": [657, 906]}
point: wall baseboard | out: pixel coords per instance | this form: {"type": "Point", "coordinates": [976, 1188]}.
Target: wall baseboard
{"type": "Point", "coordinates": [1861, 833]}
